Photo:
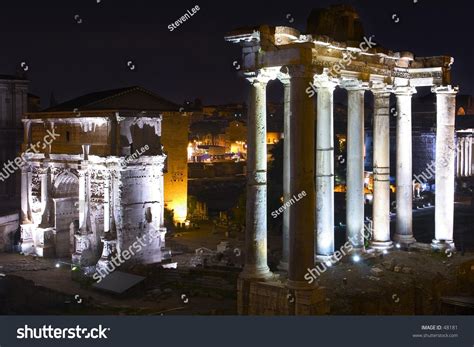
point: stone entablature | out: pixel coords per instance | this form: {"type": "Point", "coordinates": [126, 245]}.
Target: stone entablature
{"type": "Point", "coordinates": [266, 47]}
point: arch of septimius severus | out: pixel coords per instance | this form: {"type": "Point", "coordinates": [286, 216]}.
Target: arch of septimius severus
{"type": "Point", "coordinates": [299, 61]}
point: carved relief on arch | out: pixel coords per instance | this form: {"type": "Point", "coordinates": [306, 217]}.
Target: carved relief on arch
{"type": "Point", "coordinates": [66, 184]}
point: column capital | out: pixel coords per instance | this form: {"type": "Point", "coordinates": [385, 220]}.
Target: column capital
{"type": "Point", "coordinates": [325, 82]}
{"type": "Point", "coordinates": [354, 85]}
{"type": "Point", "coordinates": [445, 90]}
{"type": "Point", "coordinates": [300, 71]}
{"type": "Point", "coordinates": [262, 76]}
{"type": "Point", "coordinates": [284, 77]}
{"type": "Point", "coordinates": [404, 90]}
{"type": "Point", "coordinates": [380, 88]}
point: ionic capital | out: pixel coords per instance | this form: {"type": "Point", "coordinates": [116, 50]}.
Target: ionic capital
{"type": "Point", "coordinates": [325, 82]}
{"type": "Point", "coordinates": [354, 85]}
{"type": "Point", "coordinates": [445, 90]}
{"type": "Point", "coordinates": [262, 76]}
{"type": "Point", "coordinates": [404, 90]}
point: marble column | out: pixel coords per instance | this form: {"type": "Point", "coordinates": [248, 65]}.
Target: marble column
{"type": "Point", "coordinates": [82, 200]}
{"type": "Point", "coordinates": [301, 177]}
{"type": "Point", "coordinates": [256, 266]}
{"type": "Point", "coordinates": [404, 192]}
{"type": "Point", "coordinates": [381, 166]}
{"type": "Point", "coordinates": [459, 161]}
{"type": "Point", "coordinates": [45, 177]}
{"type": "Point", "coordinates": [286, 171]}
{"type": "Point", "coordinates": [355, 166]}
{"type": "Point", "coordinates": [445, 157]}
{"type": "Point", "coordinates": [107, 202]}
{"type": "Point", "coordinates": [24, 195]}
{"type": "Point", "coordinates": [324, 224]}
{"type": "Point", "coordinates": [469, 161]}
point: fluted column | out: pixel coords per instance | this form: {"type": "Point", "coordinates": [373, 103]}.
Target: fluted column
{"type": "Point", "coordinates": [469, 161]}
{"type": "Point", "coordinates": [45, 177]}
{"type": "Point", "coordinates": [301, 177]}
{"type": "Point", "coordinates": [24, 195]}
{"type": "Point", "coordinates": [256, 219]}
{"type": "Point", "coordinates": [355, 165]}
{"type": "Point", "coordinates": [404, 193]}
{"type": "Point", "coordinates": [381, 166]}
{"type": "Point", "coordinates": [324, 168]}
{"type": "Point", "coordinates": [107, 202]}
{"type": "Point", "coordinates": [286, 171]}
{"type": "Point", "coordinates": [445, 157]}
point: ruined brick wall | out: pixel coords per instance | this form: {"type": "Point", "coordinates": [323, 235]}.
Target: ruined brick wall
{"type": "Point", "coordinates": [174, 137]}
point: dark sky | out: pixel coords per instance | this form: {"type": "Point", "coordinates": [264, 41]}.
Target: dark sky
{"type": "Point", "coordinates": [194, 60]}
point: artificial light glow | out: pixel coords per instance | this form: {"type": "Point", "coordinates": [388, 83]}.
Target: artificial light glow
{"type": "Point", "coordinates": [356, 258]}
{"type": "Point", "coordinates": [385, 251]}
{"type": "Point", "coordinates": [58, 265]}
{"type": "Point", "coordinates": [328, 263]}
{"type": "Point", "coordinates": [397, 245]}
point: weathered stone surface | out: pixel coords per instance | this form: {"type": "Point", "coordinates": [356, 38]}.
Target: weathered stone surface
{"type": "Point", "coordinates": [376, 271]}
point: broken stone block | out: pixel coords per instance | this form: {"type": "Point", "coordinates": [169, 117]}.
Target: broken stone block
{"type": "Point", "coordinates": [397, 268]}
{"type": "Point", "coordinates": [222, 246]}
{"type": "Point", "coordinates": [377, 272]}
{"type": "Point", "coordinates": [389, 264]}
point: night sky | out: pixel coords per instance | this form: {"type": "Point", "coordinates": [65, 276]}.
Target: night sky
{"type": "Point", "coordinates": [192, 61]}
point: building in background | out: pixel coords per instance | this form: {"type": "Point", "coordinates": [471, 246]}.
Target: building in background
{"type": "Point", "coordinates": [13, 105]}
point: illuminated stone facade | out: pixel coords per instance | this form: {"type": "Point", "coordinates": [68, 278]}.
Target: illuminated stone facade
{"type": "Point", "coordinates": [99, 186]}
{"type": "Point", "coordinates": [312, 64]}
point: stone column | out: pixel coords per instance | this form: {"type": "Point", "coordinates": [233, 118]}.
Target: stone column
{"type": "Point", "coordinates": [404, 193]}
{"type": "Point", "coordinates": [324, 228]}
{"type": "Point", "coordinates": [301, 177]}
{"type": "Point", "coordinates": [458, 163]}
{"type": "Point", "coordinates": [82, 200]}
{"type": "Point", "coordinates": [45, 177]}
{"type": "Point", "coordinates": [24, 195]}
{"type": "Point", "coordinates": [286, 172]}
{"type": "Point", "coordinates": [355, 166]}
{"type": "Point", "coordinates": [256, 266]}
{"type": "Point", "coordinates": [106, 202]}
{"type": "Point", "coordinates": [381, 164]}
{"type": "Point", "coordinates": [445, 154]}
{"type": "Point", "coordinates": [469, 161]}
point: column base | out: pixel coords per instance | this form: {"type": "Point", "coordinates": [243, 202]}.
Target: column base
{"type": "Point", "coordinates": [257, 273]}
{"type": "Point", "coordinates": [381, 245]}
{"type": "Point", "coordinates": [443, 245]}
{"type": "Point", "coordinates": [404, 239]}
{"type": "Point", "coordinates": [357, 250]}
{"type": "Point", "coordinates": [283, 266]}
{"type": "Point", "coordinates": [319, 258]}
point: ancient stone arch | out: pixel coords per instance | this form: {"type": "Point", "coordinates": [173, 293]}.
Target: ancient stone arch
{"type": "Point", "coordinates": [65, 184]}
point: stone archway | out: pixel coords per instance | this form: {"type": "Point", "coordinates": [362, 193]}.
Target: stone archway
{"type": "Point", "coordinates": [65, 196]}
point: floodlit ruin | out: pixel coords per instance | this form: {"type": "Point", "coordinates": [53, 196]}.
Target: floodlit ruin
{"type": "Point", "coordinates": [334, 53]}
{"type": "Point", "coordinates": [95, 189]}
